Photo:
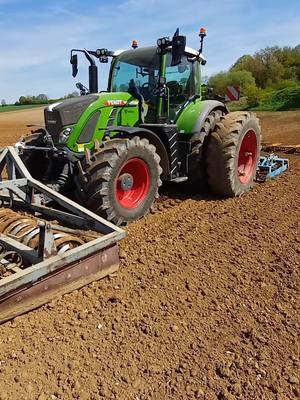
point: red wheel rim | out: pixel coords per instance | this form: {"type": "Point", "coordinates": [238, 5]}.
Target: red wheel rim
{"type": "Point", "coordinates": [137, 172]}
{"type": "Point", "coordinates": [247, 157]}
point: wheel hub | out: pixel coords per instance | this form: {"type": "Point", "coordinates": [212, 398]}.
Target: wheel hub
{"type": "Point", "coordinates": [126, 181]}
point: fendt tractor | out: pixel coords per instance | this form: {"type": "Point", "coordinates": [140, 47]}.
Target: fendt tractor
{"type": "Point", "coordinates": [111, 150]}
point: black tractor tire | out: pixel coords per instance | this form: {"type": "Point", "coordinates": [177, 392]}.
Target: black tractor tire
{"type": "Point", "coordinates": [197, 170]}
{"type": "Point", "coordinates": [107, 170]}
{"type": "Point", "coordinates": [233, 153]}
{"type": "Point", "coordinates": [209, 125]}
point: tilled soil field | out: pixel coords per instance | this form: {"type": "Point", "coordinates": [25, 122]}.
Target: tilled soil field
{"type": "Point", "coordinates": [205, 306]}
{"type": "Point", "coordinates": [13, 125]}
{"type": "Point", "coordinates": [280, 127]}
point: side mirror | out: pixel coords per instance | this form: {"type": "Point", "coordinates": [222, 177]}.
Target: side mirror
{"type": "Point", "coordinates": [178, 48]}
{"type": "Point", "coordinates": [74, 62]}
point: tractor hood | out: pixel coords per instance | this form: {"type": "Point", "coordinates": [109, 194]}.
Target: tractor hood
{"type": "Point", "coordinates": [67, 112]}
{"type": "Point", "coordinates": [82, 120]}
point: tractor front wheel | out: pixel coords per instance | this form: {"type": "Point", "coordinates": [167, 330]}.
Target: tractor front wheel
{"type": "Point", "coordinates": [233, 154]}
{"type": "Point", "coordinates": [122, 180]}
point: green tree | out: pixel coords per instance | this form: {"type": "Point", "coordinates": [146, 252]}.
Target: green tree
{"type": "Point", "coordinates": [71, 95]}
{"type": "Point", "coordinates": [22, 100]}
{"type": "Point", "coordinates": [252, 65]}
{"type": "Point", "coordinates": [242, 78]}
{"type": "Point", "coordinates": [270, 77]}
{"type": "Point", "coordinates": [271, 65]}
{"type": "Point", "coordinates": [219, 83]}
{"type": "Point", "coordinates": [42, 98]}
{"type": "Point", "coordinates": [253, 94]}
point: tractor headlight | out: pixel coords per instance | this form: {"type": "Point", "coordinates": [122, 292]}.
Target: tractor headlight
{"type": "Point", "coordinates": [64, 135]}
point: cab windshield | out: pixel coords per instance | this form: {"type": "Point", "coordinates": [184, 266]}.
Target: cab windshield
{"type": "Point", "coordinates": [141, 68]}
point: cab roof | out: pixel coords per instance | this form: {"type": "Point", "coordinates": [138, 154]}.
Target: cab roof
{"type": "Point", "coordinates": [188, 50]}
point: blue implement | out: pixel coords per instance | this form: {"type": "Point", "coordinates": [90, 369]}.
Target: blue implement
{"type": "Point", "coordinates": [271, 166]}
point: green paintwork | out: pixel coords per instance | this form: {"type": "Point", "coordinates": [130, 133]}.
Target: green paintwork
{"type": "Point", "coordinates": [127, 115]}
{"type": "Point", "coordinates": [187, 118]}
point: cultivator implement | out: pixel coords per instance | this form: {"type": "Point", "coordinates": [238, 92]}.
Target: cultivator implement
{"type": "Point", "coordinates": [49, 245]}
{"type": "Point", "coordinates": [271, 166]}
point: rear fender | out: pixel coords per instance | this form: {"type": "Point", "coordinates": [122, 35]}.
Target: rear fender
{"type": "Point", "coordinates": [191, 119]}
{"type": "Point", "coordinates": [208, 107]}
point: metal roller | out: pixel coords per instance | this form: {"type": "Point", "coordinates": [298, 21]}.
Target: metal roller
{"type": "Point", "coordinates": [26, 230]}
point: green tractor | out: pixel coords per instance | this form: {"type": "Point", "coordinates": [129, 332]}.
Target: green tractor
{"type": "Point", "coordinates": [112, 150]}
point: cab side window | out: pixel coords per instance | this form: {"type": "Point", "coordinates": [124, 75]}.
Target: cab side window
{"type": "Point", "coordinates": [180, 84]}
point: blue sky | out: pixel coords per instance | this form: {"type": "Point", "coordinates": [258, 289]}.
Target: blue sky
{"type": "Point", "coordinates": [37, 35]}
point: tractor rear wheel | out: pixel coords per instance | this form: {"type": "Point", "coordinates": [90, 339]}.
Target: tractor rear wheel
{"type": "Point", "coordinates": [199, 146]}
{"type": "Point", "coordinates": [122, 180]}
{"type": "Point", "coordinates": [233, 154]}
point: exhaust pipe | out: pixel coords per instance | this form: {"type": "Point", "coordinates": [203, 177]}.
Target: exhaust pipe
{"type": "Point", "coordinates": [93, 69]}
{"type": "Point", "coordinates": [93, 73]}
{"type": "Point", "coordinates": [93, 78]}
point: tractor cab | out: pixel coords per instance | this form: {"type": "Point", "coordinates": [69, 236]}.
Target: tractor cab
{"type": "Point", "coordinates": [142, 70]}
{"type": "Point", "coordinates": [163, 78]}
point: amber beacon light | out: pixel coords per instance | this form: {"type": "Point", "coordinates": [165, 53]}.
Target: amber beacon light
{"type": "Point", "coordinates": [135, 44]}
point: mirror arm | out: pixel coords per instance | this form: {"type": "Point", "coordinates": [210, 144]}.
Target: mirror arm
{"type": "Point", "coordinates": [89, 57]}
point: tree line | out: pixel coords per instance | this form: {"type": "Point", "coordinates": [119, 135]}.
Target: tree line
{"type": "Point", "coordinates": [42, 99]}
{"type": "Point", "coordinates": [39, 99]}
{"type": "Point", "coordinates": [269, 69]}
